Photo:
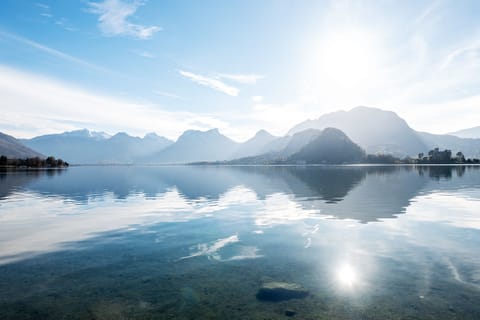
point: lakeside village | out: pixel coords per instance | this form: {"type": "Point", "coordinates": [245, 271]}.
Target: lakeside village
{"type": "Point", "coordinates": [435, 156]}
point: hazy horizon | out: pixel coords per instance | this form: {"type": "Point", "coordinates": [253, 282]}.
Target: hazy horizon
{"type": "Point", "coordinates": [166, 67]}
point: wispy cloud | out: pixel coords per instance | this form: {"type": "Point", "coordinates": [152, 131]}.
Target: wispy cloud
{"type": "Point", "coordinates": [427, 13]}
{"type": "Point", "coordinates": [471, 52]}
{"type": "Point", "coordinates": [51, 51]}
{"type": "Point", "coordinates": [211, 83]}
{"type": "Point", "coordinates": [45, 10]}
{"type": "Point", "coordinates": [65, 24]}
{"type": "Point", "coordinates": [42, 5]}
{"type": "Point", "coordinates": [167, 94]}
{"type": "Point", "coordinates": [242, 78]}
{"type": "Point", "coordinates": [144, 54]}
{"type": "Point", "coordinates": [37, 105]}
{"type": "Point", "coordinates": [113, 19]}
{"type": "Point", "coordinates": [257, 99]}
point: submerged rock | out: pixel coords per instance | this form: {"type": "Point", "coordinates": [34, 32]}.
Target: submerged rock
{"type": "Point", "coordinates": [279, 291]}
{"type": "Point", "coordinates": [290, 313]}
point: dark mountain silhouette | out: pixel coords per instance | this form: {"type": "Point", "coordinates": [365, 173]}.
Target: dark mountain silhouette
{"type": "Point", "coordinates": [332, 146]}
{"type": "Point", "coordinates": [373, 129]}
{"type": "Point", "coordinates": [330, 184]}
{"type": "Point", "coordinates": [13, 148]}
{"type": "Point", "coordinates": [299, 140]}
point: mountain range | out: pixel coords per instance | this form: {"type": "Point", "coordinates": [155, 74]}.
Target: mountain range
{"type": "Point", "coordinates": [374, 130]}
{"type": "Point", "coordinates": [472, 133]}
{"type": "Point", "coordinates": [90, 147]}
{"type": "Point", "coordinates": [13, 148]}
{"type": "Point", "coordinates": [311, 146]}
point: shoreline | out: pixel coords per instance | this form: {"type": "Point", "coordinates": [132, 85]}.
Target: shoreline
{"type": "Point", "coordinates": [268, 165]}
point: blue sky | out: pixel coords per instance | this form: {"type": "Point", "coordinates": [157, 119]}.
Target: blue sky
{"type": "Point", "coordinates": [241, 66]}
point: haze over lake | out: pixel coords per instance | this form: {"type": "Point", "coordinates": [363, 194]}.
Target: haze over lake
{"type": "Point", "coordinates": [182, 242]}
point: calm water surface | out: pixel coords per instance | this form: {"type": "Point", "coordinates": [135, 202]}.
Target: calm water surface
{"type": "Point", "coordinates": [199, 242]}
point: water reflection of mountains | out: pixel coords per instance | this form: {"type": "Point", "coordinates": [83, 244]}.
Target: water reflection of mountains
{"type": "Point", "coordinates": [361, 193]}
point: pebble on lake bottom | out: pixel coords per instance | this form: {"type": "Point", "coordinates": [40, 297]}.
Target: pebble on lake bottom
{"type": "Point", "coordinates": [290, 313]}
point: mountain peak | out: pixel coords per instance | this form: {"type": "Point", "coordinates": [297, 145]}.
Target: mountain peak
{"type": "Point", "coordinates": [121, 134]}
{"type": "Point", "coordinates": [199, 133]}
{"type": "Point", "coordinates": [100, 135]}
{"type": "Point", "coordinates": [262, 133]}
{"type": "Point", "coordinates": [333, 132]}
{"type": "Point", "coordinates": [330, 146]}
{"type": "Point", "coordinates": [84, 133]}
{"type": "Point", "coordinates": [213, 130]}
{"type": "Point", "coordinates": [374, 129]}
{"type": "Point", "coordinates": [151, 135]}
{"type": "Point", "coordinates": [196, 145]}
{"type": "Point", "coordinates": [365, 108]}
{"type": "Point", "coordinates": [372, 110]}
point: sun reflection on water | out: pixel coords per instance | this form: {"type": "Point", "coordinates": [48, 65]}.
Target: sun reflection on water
{"type": "Point", "coordinates": [347, 276]}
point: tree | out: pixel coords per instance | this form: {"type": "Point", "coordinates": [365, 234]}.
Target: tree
{"type": "Point", "coordinates": [51, 161]}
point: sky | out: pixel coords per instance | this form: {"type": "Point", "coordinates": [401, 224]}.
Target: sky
{"type": "Point", "coordinates": [239, 66]}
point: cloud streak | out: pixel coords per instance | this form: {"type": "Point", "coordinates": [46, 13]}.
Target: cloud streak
{"type": "Point", "coordinates": [473, 49]}
{"type": "Point", "coordinates": [167, 94]}
{"type": "Point", "coordinates": [41, 105]}
{"type": "Point", "coordinates": [113, 19]}
{"type": "Point", "coordinates": [144, 54]}
{"type": "Point", "coordinates": [211, 83]}
{"type": "Point", "coordinates": [51, 51]}
{"type": "Point", "coordinates": [242, 78]}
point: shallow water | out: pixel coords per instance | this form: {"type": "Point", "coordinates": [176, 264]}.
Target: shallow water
{"type": "Point", "coordinates": [199, 242]}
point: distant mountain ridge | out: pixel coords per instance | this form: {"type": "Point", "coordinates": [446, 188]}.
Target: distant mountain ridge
{"type": "Point", "coordinates": [195, 145]}
{"type": "Point", "coordinates": [14, 148]}
{"type": "Point", "coordinates": [470, 133]}
{"type": "Point", "coordinates": [374, 130]}
{"type": "Point", "coordinates": [255, 145]}
{"type": "Point", "coordinates": [380, 131]}
{"type": "Point", "coordinates": [328, 146]}
{"type": "Point", "coordinates": [89, 147]}
{"type": "Point", "coordinates": [469, 147]}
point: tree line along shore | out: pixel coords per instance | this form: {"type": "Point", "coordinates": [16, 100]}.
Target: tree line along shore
{"type": "Point", "coordinates": [35, 162]}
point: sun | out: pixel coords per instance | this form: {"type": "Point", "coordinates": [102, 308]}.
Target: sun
{"type": "Point", "coordinates": [348, 59]}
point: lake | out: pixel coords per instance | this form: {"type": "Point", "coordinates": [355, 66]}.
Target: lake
{"type": "Point", "coordinates": [200, 242]}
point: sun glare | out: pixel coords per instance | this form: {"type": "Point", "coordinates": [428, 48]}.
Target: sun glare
{"type": "Point", "coordinates": [346, 276]}
{"type": "Point", "coordinates": [348, 59]}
